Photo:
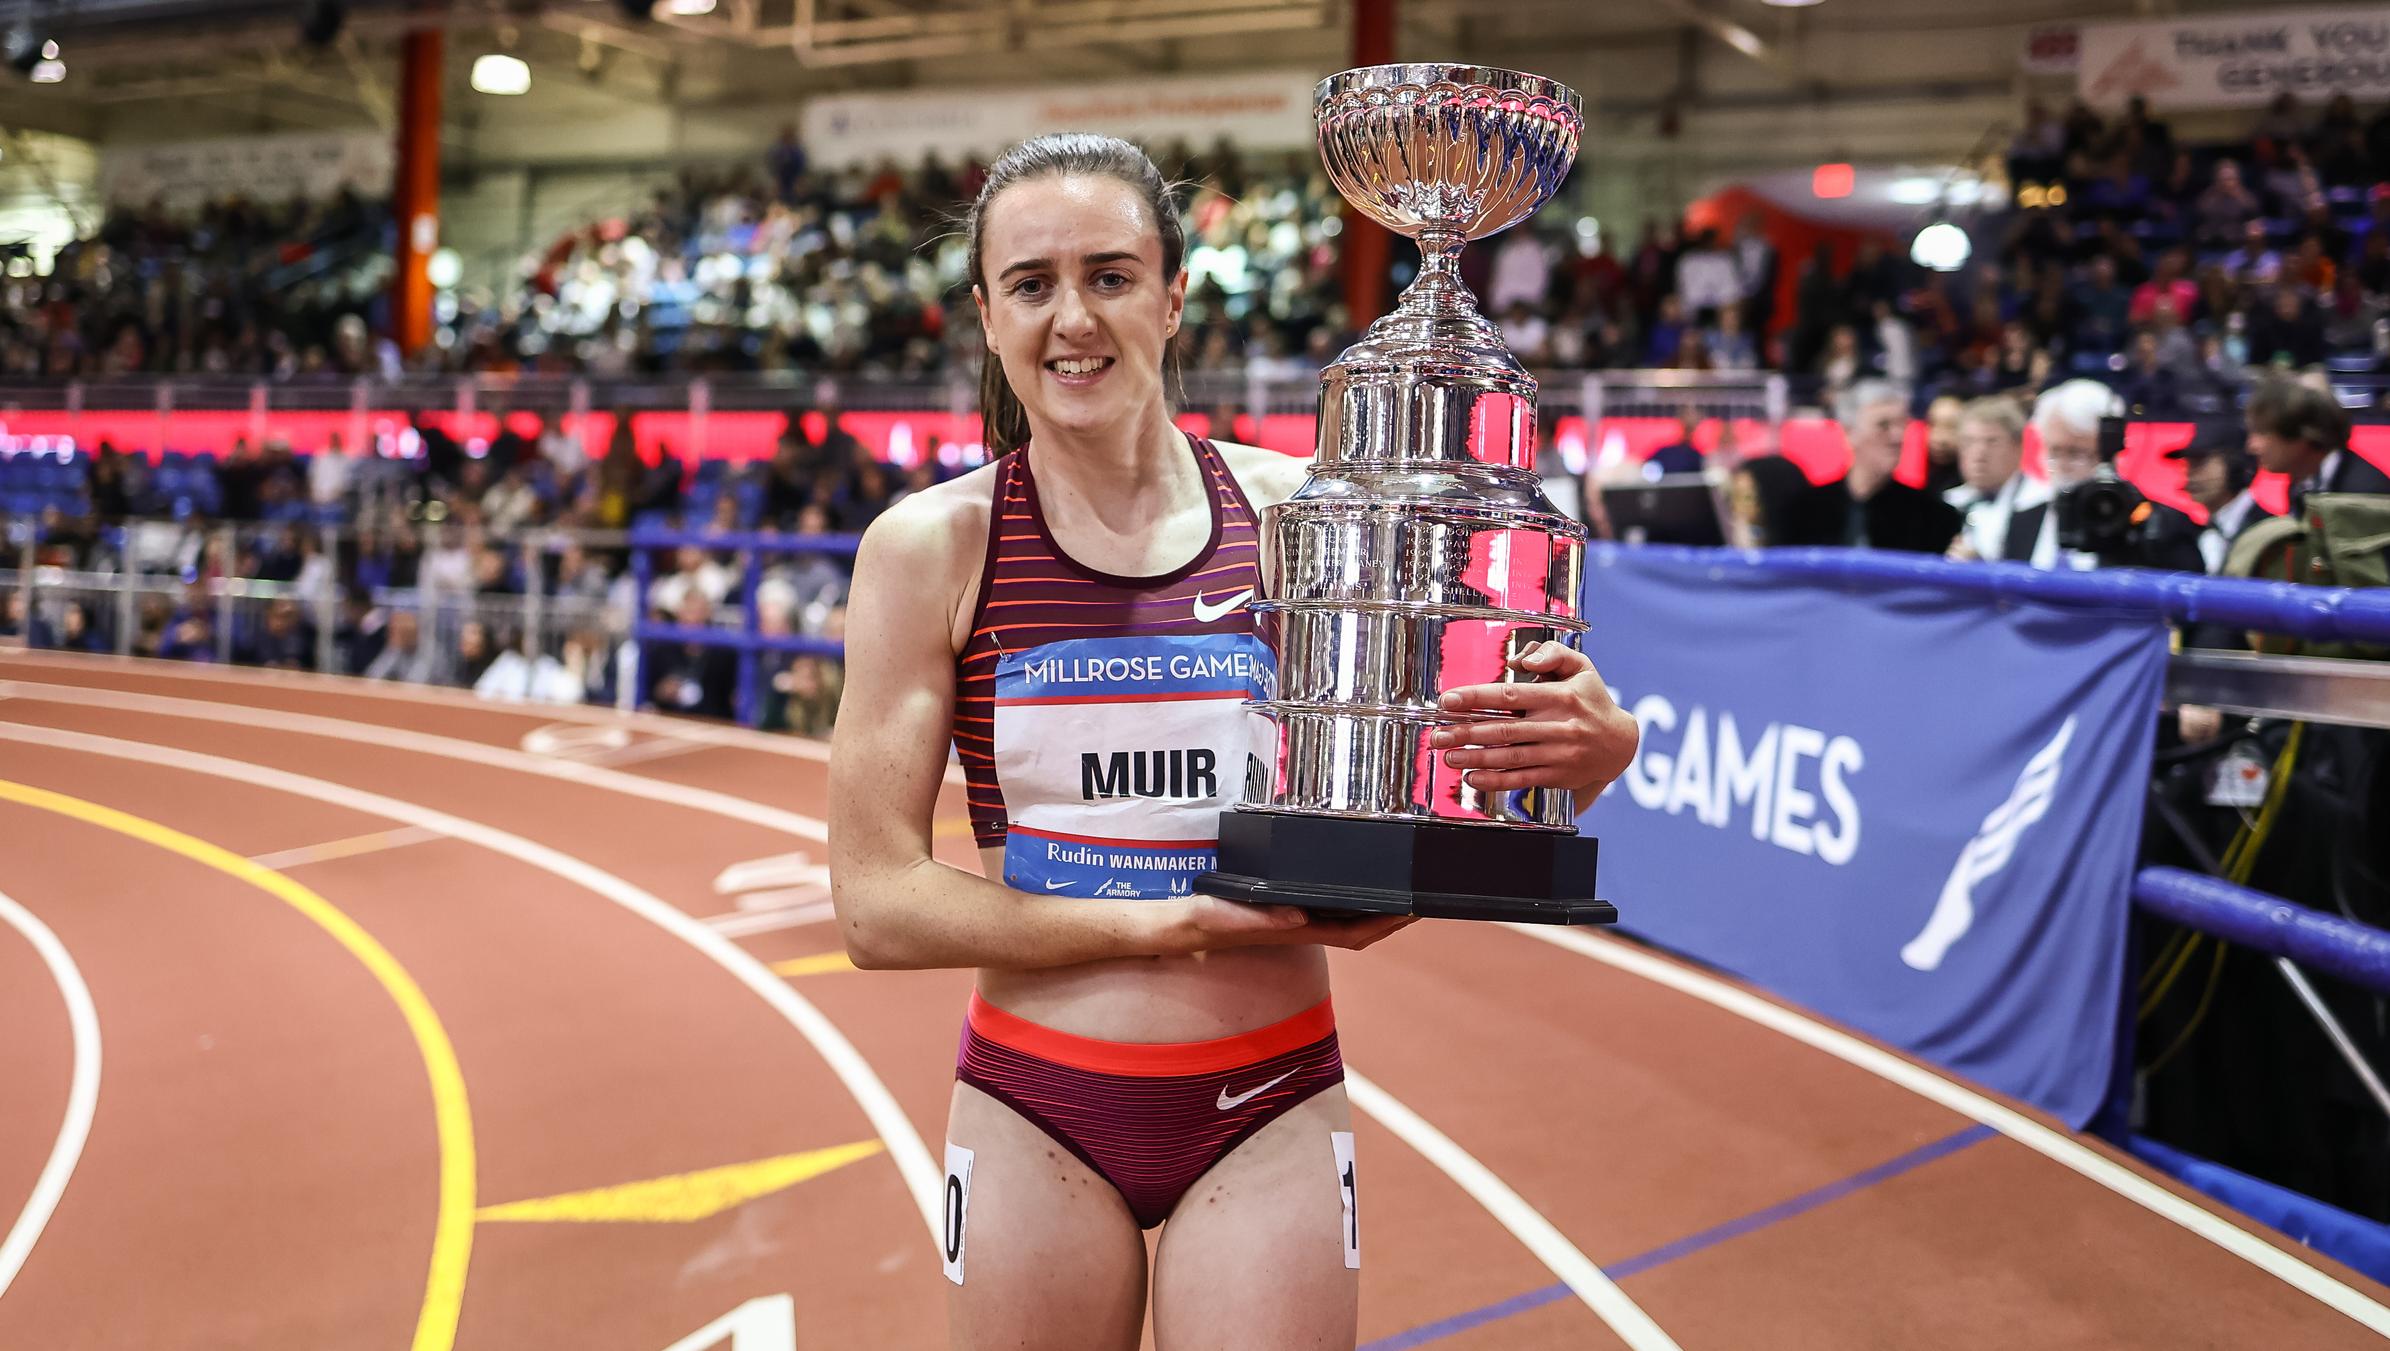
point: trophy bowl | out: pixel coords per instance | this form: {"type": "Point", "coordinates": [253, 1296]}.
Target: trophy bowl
{"type": "Point", "coordinates": [1438, 149]}
{"type": "Point", "coordinates": [1421, 555]}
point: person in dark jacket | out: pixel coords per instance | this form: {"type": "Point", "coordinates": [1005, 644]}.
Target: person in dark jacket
{"type": "Point", "coordinates": [1867, 508]}
{"type": "Point", "coordinates": [699, 678]}
{"type": "Point", "coordinates": [2304, 432]}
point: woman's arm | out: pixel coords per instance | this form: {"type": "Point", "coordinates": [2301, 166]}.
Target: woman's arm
{"type": "Point", "coordinates": [897, 905]}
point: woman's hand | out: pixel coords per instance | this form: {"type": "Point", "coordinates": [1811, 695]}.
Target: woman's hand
{"type": "Point", "coordinates": [1210, 922]}
{"type": "Point", "coordinates": [1568, 733]}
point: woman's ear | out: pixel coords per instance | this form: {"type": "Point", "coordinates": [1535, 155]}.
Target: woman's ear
{"type": "Point", "coordinates": [1178, 303]}
{"type": "Point", "coordinates": [987, 331]}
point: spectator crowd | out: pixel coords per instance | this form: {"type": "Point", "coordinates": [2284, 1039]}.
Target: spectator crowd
{"type": "Point", "coordinates": [2127, 270]}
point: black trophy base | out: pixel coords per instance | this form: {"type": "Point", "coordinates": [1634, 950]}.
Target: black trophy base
{"type": "Point", "coordinates": [1354, 867]}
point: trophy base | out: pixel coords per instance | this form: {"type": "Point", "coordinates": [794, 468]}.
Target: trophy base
{"type": "Point", "coordinates": [1343, 865]}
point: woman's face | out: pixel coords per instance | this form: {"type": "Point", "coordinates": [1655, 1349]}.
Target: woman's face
{"type": "Point", "coordinates": [1075, 303]}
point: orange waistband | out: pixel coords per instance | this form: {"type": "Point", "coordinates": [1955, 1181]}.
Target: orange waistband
{"type": "Point", "coordinates": [1152, 1058]}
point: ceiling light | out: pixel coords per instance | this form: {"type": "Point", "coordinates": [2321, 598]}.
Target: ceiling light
{"type": "Point", "coordinates": [1789, 4]}
{"type": "Point", "coordinates": [688, 8]}
{"type": "Point", "coordinates": [49, 72]}
{"type": "Point", "coordinates": [49, 50]}
{"type": "Point", "coordinates": [1917, 191]}
{"type": "Point", "coordinates": [1942, 247]}
{"type": "Point", "coordinates": [498, 73]}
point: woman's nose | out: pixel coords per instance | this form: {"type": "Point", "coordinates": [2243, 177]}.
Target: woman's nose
{"type": "Point", "coordinates": [1071, 315]}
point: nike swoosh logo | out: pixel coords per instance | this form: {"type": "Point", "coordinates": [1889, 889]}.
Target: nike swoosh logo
{"type": "Point", "coordinates": [1227, 1103]}
{"type": "Point", "coordinates": [1205, 614]}
{"type": "Point", "coordinates": [1057, 886]}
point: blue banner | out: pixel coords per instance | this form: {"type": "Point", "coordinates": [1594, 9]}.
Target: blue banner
{"type": "Point", "coordinates": [1911, 809]}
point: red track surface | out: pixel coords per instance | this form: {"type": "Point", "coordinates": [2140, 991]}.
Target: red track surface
{"type": "Point", "coordinates": [263, 1172]}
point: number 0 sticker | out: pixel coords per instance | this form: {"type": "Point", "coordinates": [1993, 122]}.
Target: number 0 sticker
{"type": "Point", "coordinates": [1343, 1141]}
{"type": "Point", "coordinates": [955, 1226]}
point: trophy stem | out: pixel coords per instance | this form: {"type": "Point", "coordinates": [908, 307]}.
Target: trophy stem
{"type": "Point", "coordinates": [1439, 289]}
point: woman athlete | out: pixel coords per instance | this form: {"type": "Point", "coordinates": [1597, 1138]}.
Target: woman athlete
{"type": "Point", "coordinates": [1073, 619]}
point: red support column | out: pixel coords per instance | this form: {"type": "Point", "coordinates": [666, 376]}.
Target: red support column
{"type": "Point", "coordinates": [1368, 246]}
{"type": "Point", "coordinates": [415, 195]}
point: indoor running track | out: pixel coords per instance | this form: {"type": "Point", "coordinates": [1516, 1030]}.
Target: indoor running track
{"type": "Point", "coordinates": [343, 1015]}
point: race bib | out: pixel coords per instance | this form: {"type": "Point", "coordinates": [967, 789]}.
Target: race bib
{"type": "Point", "coordinates": [1117, 756]}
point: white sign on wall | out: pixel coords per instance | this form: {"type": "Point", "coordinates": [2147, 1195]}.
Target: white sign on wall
{"type": "Point", "coordinates": [270, 168]}
{"type": "Point", "coordinates": [1271, 110]}
{"type": "Point", "coordinates": [2238, 60]}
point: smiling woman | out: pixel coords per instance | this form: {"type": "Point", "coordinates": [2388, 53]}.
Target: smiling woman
{"type": "Point", "coordinates": [1075, 621]}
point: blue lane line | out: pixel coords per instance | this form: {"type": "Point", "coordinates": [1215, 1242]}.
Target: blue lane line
{"type": "Point", "coordinates": [1683, 1247]}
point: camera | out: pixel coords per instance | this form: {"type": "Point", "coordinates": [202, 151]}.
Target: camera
{"type": "Point", "coordinates": [2105, 516]}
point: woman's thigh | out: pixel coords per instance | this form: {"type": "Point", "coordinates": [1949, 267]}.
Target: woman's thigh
{"type": "Point", "coordinates": [1256, 1254]}
{"type": "Point", "coordinates": [1048, 1255]}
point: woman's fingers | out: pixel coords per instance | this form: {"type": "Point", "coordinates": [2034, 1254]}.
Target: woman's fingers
{"type": "Point", "coordinates": [1507, 698]}
{"type": "Point", "coordinates": [1531, 776]}
{"type": "Point", "coordinates": [1498, 757]}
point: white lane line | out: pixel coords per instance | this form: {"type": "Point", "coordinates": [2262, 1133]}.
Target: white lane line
{"type": "Point", "coordinates": [921, 1176]}
{"type": "Point", "coordinates": [744, 738]}
{"type": "Point", "coordinates": [654, 724]}
{"type": "Point", "coordinates": [2054, 1145]}
{"type": "Point", "coordinates": [426, 743]}
{"type": "Point", "coordinates": [1525, 1222]}
{"type": "Point", "coordinates": [82, 1094]}
{"type": "Point", "coordinates": [748, 923]}
{"type": "Point", "coordinates": [352, 847]}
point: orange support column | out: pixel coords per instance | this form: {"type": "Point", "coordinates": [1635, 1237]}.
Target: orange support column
{"type": "Point", "coordinates": [1368, 246]}
{"type": "Point", "coordinates": [415, 196]}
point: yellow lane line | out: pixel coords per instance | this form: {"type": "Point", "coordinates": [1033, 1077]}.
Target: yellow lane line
{"type": "Point", "coordinates": [452, 1234]}
{"type": "Point", "coordinates": [683, 1197]}
{"type": "Point", "coordinates": [814, 965]}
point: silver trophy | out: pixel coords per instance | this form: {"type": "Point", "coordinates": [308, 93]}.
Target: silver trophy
{"type": "Point", "coordinates": [1422, 554]}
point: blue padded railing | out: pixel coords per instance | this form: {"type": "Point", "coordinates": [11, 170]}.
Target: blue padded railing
{"type": "Point", "coordinates": [747, 638]}
{"type": "Point", "coordinates": [2333, 614]}
{"type": "Point", "coordinates": [2357, 953]}
{"type": "Point", "coordinates": [2326, 613]}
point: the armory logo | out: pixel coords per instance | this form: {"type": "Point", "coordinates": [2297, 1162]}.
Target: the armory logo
{"type": "Point", "coordinates": [1166, 774]}
{"type": "Point", "coordinates": [1711, 766]}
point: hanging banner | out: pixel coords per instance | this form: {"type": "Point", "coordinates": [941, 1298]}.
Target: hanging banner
{"type": "Point", "coordinates": [2238, 60]}
{"type": "Point", "coordinates": [1262, 111]}
{"type": "Point", "coordinates": [1904, 807]}
{"type": "Point", "coordinates": [262, 168]}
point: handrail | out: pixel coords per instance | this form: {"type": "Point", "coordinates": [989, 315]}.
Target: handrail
{"type": "Point", "coordinates": [763, 541]}
{"type": "Point", "coordinates": [2358, 953]}
{"type": "Point", "coordinates": [2342, 614]}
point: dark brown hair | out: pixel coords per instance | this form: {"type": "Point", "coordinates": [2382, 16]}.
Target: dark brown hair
{"type": "Point", "coordinates": [1004, 423]}
{"type": "Point", "coordinates": [2281, 406]}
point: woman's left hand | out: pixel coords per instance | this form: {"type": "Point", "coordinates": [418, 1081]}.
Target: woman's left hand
{"type": "Point", "coordinates": [1567, 732]}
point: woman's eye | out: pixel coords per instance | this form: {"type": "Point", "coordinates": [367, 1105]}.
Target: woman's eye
{"type": "Point", "coordinates": [1028, 287]}
{"type": "Point", "coordinates": [1112, 281]}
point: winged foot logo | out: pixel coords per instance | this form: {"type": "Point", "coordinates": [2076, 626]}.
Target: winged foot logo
{"type": "Point", "coordinates": [1989, 852]}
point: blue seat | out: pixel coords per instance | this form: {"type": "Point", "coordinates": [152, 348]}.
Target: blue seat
{"type": "Point", "coordinates": [2349, 363]}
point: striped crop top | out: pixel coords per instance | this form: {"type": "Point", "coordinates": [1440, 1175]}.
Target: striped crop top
{"type": "Point", "coordinates": [1099, 718]}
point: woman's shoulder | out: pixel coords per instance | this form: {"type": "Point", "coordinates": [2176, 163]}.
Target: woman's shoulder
{"type": "Point", "coordinates": [1267, 476]}
{"type": "Point", "coordinates": [944, 523]}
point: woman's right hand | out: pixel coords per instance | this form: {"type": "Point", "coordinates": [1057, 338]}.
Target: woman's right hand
{"type": "Point", "coordinates": [1209, 922]}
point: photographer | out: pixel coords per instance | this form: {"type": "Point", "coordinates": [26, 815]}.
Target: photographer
{"type": "Point", "coordinates": [2304, 432]}
{"type": "Point", "coordinates": [2095, 519]}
